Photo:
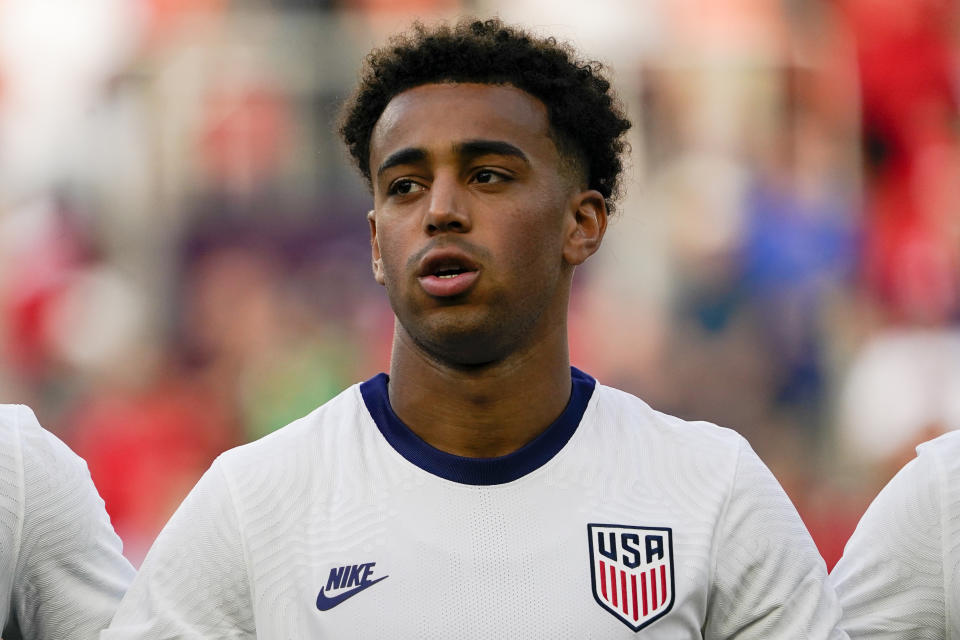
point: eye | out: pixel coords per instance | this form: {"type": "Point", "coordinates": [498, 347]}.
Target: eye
{"type": "Point", "coordinates": [404, 187]}
{"type": "Point", "coordinates": [487, 176]}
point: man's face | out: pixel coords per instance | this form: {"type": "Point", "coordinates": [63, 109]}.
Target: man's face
{"type": "Point", "coordinates": [473, 213]}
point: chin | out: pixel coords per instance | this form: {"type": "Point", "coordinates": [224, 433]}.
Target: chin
{"type": "Point", "coordinates": [470, 336]}
{"type": "Point", "coordinates": [463, 346]}
{"type": "Point", "coordinates": [465, 350]}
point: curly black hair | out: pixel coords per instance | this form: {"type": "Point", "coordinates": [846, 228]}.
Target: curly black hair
{"type": "Point", "coordinates": [586, 119]}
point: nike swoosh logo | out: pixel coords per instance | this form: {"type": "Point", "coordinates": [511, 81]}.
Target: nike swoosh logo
{"type": "Point", "coordinates": [325, 604]}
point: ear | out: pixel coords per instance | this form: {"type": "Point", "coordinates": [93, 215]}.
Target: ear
{"type": "Point", "coordinates": [587, 223]}
{"type": "Point", "coordinates": [375, 247]}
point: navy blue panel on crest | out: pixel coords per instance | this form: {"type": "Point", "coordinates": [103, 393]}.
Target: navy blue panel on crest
{"type": "Point", "coordinates": [478, 471]}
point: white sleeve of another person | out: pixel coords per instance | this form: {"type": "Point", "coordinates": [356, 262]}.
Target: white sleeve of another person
{"type": "Point", "coordinates": [769, 578]}
{"type": "Point", "coordinates": [193, 582]}
{"type": "Point", "coordinates": [891, 580]}
{"type": "Point", "coordinates": [70, 573]}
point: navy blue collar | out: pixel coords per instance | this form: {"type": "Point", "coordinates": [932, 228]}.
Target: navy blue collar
{"type": "Point", "coordinates": [478, 471]}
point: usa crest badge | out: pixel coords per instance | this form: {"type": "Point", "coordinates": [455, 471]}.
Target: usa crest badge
{"type": "Point", "coordinates": [632, 571]}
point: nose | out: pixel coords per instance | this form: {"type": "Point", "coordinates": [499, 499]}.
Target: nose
{"type": "Point", "coordinates": [446, 211]}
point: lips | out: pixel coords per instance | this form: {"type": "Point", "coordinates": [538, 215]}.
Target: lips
{"type": "Point", "coordinates": [447, 272]}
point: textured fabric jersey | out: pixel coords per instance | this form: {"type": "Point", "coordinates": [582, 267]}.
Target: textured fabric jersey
{"type": "Point", "coordinates": [345, 524]}
{"type": "Point", "coordinates": [900, 572]}
{"type": "Point", "coordinates": [61, 571]}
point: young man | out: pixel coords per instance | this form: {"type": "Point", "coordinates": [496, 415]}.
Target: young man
{"type": "Point", "coordinates": [484, 489]}
{"type": "Point", "coordinates": [900, 572]}
{"type": "Point", "coordinates": [61, 571]}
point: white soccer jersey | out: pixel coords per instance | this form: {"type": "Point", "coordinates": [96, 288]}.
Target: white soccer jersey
{"type": "Point", "coordinates": [61, 571]}
{"type": "Point", "coordinates": [617, 518]}
{"type": "Point", "coordinates": [900, 572]}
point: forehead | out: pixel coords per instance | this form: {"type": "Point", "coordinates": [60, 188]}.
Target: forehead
{"type": "Point", "coordinates": [434, 117]}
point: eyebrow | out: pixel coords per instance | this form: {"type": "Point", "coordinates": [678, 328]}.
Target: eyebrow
{"type": "Point", "coordinates": [403, 156]}
{"type": "Point", "coordinates": [467, 150]}
{"type": "Point", "coordinates": [475, 148]}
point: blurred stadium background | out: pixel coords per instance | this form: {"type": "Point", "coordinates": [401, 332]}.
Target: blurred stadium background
{"type": "Point", "coordinates": [184, 259]}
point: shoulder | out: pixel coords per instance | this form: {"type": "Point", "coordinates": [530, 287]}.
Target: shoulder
{"type": "Point", "coordinates": [37, 468]}
{"type": "Point", "coordinates": [329, 429]}
{"type": "Point", "coordinates": [696, 462]}
{"type": "Point", "coordinates": [944, 452]}
{"type": "Point", "coordinates": [932, 479]}
{"type": "Point", "coordinates": [922, 487]}
{"type": "Point", "coordinates": [908, 506]}
{"type": "Point", "coordinates": [629, 409]}
{"type": "Point", "coordinates": [14, 418]}
{"type": "Point", "coordinates": [939, 462]}
{"type": "Point", "coordinates": [11, 493]}
{"type": "Point", "coordinates": [691, 458]}
{"type": "Point", "coordinates": [22, 437]}
{"type": "Point", "coordinates": [11, 418]}
{"type": "Point", "coordinates": [626, 417]}
{"type": "Point", "coordinates": [891, 579]}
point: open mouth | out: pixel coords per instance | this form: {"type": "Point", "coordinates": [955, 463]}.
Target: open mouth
{"type": "Point", "coordinates": [446, 274]}
{"type": "Point", "coordinates": [451, 272]}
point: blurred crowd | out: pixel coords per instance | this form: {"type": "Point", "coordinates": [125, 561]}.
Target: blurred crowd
{"type": "Point", "coordinates": [184, 259]}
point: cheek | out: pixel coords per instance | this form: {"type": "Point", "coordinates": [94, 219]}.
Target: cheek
{"type": "Point", "coordinates": [535, 241]}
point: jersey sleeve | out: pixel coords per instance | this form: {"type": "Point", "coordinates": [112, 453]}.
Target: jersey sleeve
{"type": "Point", "coordinates": [890, 579]}
{"type": "Point", "coordinates": [769, 580]}
{"type": "Point", "coordinates": [194, 581]}
{"type": "Point", "coordinates": [70, 573]}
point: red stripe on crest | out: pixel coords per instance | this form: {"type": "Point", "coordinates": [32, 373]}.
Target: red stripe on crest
{"type": "Point", "coordinates": [633, 590]}
{"type": "Point", "coordinates": [653, 587]}
{"type": "Point", "coordinates": [663, 581]}
{"type": "Point", "coordinates": [613, 583]}
{"type": "Point", "coordinates": [643, 592]}
{"type": "Point", "coordinates": [603, 579]}
{"type": "Point", "coordinates": [623, 589]}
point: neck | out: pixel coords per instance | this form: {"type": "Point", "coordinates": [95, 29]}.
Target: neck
{"type": "Point", "coordinates": [480, 411]}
